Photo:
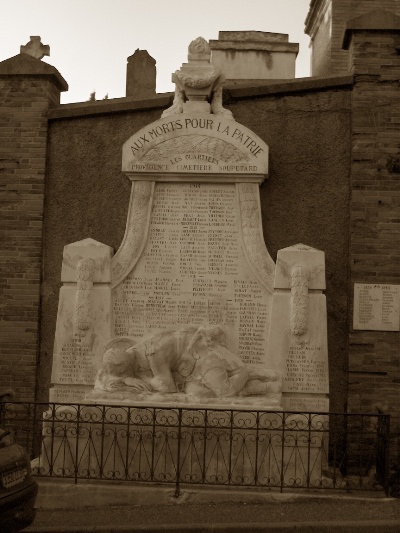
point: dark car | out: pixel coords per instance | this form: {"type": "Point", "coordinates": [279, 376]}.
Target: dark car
{"type": "Point", "coordinates": [18, 490]}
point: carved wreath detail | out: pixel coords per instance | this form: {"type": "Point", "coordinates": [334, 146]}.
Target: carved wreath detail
{"type": "Point", "coordinates": [299, 301]}
{"type": "Point", "coordinates": [83, 312]}
{"type": "Point", "coordinates": [196, 81]}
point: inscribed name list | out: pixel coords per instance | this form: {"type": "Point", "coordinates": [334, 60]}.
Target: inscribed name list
{"type": "Point", "coordinates": [193, 272]}
{"type": "Point", "coordinates": [376, 307]}
{"type": "Point", "coordinates": [77, 353]}
{"type": "Point", "coordinates": [306, 369]}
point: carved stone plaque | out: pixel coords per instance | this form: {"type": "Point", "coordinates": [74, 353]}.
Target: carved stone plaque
{"type": "Point", "coordinates": [195, 144]}
{"type": "Point", "coordinates": [76, 357]}
{"type": "Point", "coordinates": [376, 307]}
{"type": "Point", "coordinates": [67, 393]}
{"type": "Point", "coordinates": [302, 403]}
{"type": "Point", "coordinates": [196, 268]}
{"type": "Point", "coordinates": [299, 328]}
{"type": "Point", "coordinates": [306, 368]}
{"type": "Point", "coordinates": [83, 319]}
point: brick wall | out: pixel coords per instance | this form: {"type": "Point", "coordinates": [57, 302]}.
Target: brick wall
{"type": "Point", "coordinates": [328, 57]}
{"type": "Point", "coordinates": [24, 102]}
{"type": "Point", "coordinates": [374, 356]}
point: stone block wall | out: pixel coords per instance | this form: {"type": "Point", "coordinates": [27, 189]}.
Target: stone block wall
{"type": "Point", "coordinates": [374, 356]}
{"type": "Point", "coordinates": [24, 103]}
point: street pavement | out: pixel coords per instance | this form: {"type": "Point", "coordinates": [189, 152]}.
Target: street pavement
{"type": "Point", "coordinates": [75, 509]}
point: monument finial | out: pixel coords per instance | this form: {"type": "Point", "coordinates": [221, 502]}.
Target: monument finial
{"type": "Point", "coordinates": [198, 83]}
{"type": "Point", "coordinates": [199, 50]}
{"type": "Point", "coordinates": [35, 48]}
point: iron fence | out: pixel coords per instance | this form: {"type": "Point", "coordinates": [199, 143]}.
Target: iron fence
{"type": "Point", "coordinates": [242, 448]}
{"type": "Point", "coordinates": [393, 457]}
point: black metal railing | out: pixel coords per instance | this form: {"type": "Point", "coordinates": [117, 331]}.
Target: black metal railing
{"type": "Point", "coordinates": [268, 449]}
{"type": "Point", "coordinates": [389, 464]}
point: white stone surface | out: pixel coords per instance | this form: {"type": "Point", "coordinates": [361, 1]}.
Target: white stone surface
{"type": "Point", "coordinates": [304, 358]}
{"type": "Point", "coordinates": [249, 55]}
{"type": "Point", "coordinates": [195, 144]}
{"type": "Point", "coordinates": [68, 393]}
{"type": "Point", "coordinates": [198, 84]}
{"type": "Point", "coordinates": [255, 64]}
{"type": "Point", "coordinates": [199, 266]}
{"type": "Point", "coordinates": [376, 307]}
{"type": "Point", "coordinates": [311, 260]}
{"type": "Point", "coordinates": [84, 321]}
{"type": "Point", "coordinates": [196, 107]}
{"type": "Point", "coordinates": [87, 248]}
{"type": "Point", "coordinates": [77, 354]}
{"type": "Point", "coordinates": [307, 356]}
{"type": "Point", "coordinates": [298, 334]}
{"type": "Point", "coordinates": [313, 403]}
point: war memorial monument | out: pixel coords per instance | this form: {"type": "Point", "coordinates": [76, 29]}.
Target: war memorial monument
{"type": "Point", "coordinates": [189, 339]}
{"type": "Point", "coordinates": [192, 312]}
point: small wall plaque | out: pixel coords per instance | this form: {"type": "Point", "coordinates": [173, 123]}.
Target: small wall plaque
{"type": "Point", "coordinates": [376, 307]}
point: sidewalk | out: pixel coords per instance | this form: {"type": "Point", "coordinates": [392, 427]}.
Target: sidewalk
{"type": "Point", "coordinates": [94, 507]}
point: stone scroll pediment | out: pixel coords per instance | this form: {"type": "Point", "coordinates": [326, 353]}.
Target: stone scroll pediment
{"type": "Point", "coordinates": [196, 144]}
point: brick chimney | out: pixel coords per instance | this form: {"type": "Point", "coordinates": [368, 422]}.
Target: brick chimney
{"type": "Point", "coordinates": [141, 75]}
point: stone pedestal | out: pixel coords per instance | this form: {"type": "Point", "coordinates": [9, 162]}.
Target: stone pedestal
{"type": "Point", "coordinates": [298, 334]}
{"type": "Point", "coordinates": [83, 321]}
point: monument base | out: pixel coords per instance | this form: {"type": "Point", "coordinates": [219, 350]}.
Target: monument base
{"type": "Point", "coordinates": [272, 401]}
{"type": "Point", "coordinates": [197, 444]}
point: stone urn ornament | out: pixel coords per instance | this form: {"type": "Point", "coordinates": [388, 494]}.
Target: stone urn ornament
{"type": "Point", "coordinates": [198, 84]}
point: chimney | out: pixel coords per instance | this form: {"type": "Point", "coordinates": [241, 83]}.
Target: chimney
{"type": "Point", "coordinates": [141, 75]}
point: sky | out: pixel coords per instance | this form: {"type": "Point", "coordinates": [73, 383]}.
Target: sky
{"type": "Point", "coordinates": [90, 40]}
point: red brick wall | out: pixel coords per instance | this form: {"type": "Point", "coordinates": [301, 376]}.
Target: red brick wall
{"type": "Point", "coordinates": [374, 370]}
{"type": "Point", "coordinates": [24, 101]}
{"type": "Point", "coordinates": [328, 57]}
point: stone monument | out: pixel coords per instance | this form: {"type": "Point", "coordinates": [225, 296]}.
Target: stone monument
{"type": "Point", "coordinates": [191, 307]}
{"type": "Point", "coordinates": [192, 312]}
